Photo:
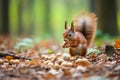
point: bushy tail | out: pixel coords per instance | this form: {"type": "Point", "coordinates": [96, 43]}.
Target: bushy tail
{"type": "Point", "coordinates": [86, 23]}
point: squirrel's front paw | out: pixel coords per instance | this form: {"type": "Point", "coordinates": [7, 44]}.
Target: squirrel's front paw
{"type": "Point", "coordinates": [63, 46]}
{"type": "Point", "coordinates": [66, 45]}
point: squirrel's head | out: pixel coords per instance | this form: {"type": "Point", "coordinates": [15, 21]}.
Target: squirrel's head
{"type": "Point", "coordinates": [69, 33]}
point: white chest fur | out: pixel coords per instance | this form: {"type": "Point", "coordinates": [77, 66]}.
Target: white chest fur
{"type": "Point", "coordinates": [79, 46]}
{"type": "Point", "coordinates": [77, 50]}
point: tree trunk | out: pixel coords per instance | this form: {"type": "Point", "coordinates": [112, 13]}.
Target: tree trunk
{"type": "Point", "coordinates": [20, 25]}
{"type": "Point", "coordinates": [48, 28]}
{"type": "Point", "coordinates": [31, 26]}
{"type": "Point", "coordinates": [106, 12]}
{"type": "Point", "coordinates": [0, 15]}
{"type": "Point", "coordinates": [4, 17]}
{"type": "Point", "coordinates": [93, 5]}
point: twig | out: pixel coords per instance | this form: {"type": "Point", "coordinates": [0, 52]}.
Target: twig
{"type": "Point", "coordinates": [12, 55]}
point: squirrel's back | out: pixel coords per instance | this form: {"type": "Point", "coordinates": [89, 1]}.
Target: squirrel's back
{"type": "Point", "coordinates": [86, 23]}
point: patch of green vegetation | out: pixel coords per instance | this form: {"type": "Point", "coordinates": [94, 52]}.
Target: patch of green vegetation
{"type": "Point", "coordinates": [50, 51]}
{"type": "Point", "coordinates": [25, 43]}
{"type": "Point", "coordinates": [103, 38]}
{"type": "Point", "coordinates": [92, 50]}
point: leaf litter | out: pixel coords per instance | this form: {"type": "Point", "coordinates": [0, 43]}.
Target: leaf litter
{"type": "Point", "coordinates": [48, 61]}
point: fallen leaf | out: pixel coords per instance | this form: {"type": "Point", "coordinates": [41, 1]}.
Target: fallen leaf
{"type": "Point", "coordinates": [83, 62]}
{"type": "Point", "coordinates": [34, 62]}
{"type": "Point", "coordinates": [9, 57]}
{"type": "Point", "coordinates": [49, 76]}
{"type": "Point", "coordinates": [117, 43]}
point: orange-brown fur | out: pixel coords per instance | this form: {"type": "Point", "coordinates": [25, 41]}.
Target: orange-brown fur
{"type": "Point", "coordinates": [81, 34]}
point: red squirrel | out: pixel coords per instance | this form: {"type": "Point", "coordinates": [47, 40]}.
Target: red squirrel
{"type": "Point", "coordinates": [81, 34]}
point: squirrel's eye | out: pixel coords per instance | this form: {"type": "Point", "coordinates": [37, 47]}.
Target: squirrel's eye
{"type": "Point", "coordinates": [69, 34]}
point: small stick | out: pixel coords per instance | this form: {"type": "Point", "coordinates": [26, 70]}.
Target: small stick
{"type": "Point", "coordinates": [12, 55]}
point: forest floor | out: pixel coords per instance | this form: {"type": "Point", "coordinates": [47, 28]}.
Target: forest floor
{"type": "Point", "coordinates": [26, 60]}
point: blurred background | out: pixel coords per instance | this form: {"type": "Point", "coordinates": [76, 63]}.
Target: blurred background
{"type": "Point", "coordinates": [45, 18]}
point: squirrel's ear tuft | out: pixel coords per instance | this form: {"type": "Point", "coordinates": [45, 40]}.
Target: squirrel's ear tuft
{"type": "Point", "coordinates": [65, 24]}
{"type": "Point", "coordinates": [72, 26]}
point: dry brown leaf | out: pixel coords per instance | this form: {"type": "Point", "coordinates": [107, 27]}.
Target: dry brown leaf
{"type": "Point", "coordinates": [117, 43]}
{"type": "Point", "coordinates": [31, 52]}
{"type": "Point", "coordinates": [83, 62]}
{"type": "Point", "coordinates": [66, 72]}
{"type": "Point", "coordinates": [103, 57]}
{"type": "Point", "coordinates": [86, 75]}
{"type": "Point", "coordinates": [16, 61]}
{"type": "Point", "coordinates": [8, 57]}
{"type": "Point", "coordinates": [81, 68]}
{"type": "Point", "coordinates": [67, 64]}
{"type": "Point", "coordinates": [1, 61]}
{"type": "Point", "coordinates": [57, 66]}
{"type": "Point", "coordinates": [92, 56]}
{"type": "Point", "coordinates": [49, 76]}
{"type": "Point", "coordinates": [34, 62]}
